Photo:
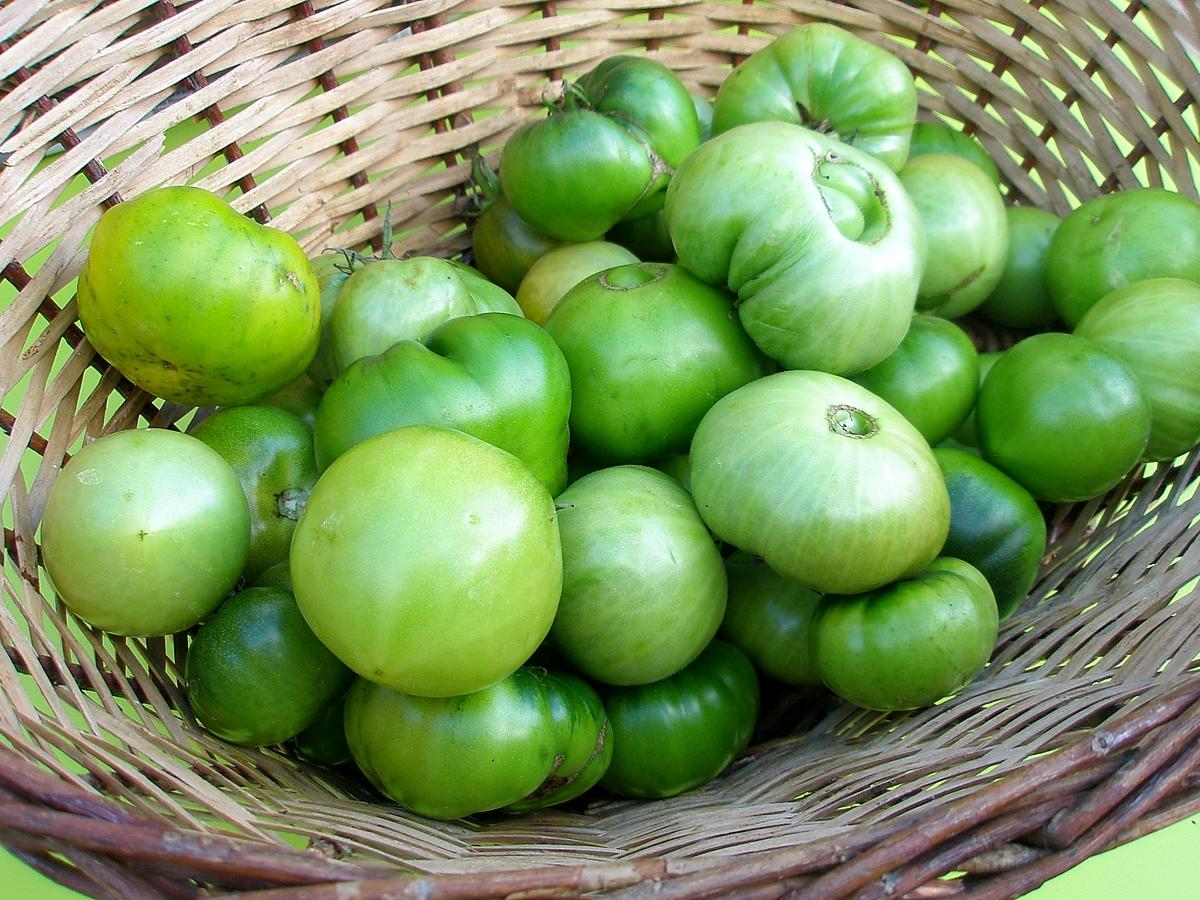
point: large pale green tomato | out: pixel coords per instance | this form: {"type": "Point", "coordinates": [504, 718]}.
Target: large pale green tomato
{"type": "Point", "coordinates": [196, 303]}
{"type": "Point", "coordinates": [428, 561]}
{"type": "Point", "coordinates": [145, 532]}
{"type": "Point", "coordinates": [823, 479]}
{"type": "Point", "coordinates": [819, 242]}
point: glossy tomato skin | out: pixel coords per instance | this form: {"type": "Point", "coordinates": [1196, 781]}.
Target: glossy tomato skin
{"type": "Point", "coordinates": [825, 78]}
{"type": "Point", "coordinates": [965, 230]}
{"type": "Point", "coordinates": [1153, 326]}
{"type": "Point", "coordinates": [635, 555]}
{"type": "Point", "coordinates": [1062, 416]}
{"type": "Point", "coordinates": [495, 376]}
{"type": "Point", "coordinates": [769, 618]}
{"type": "Point", "coordinates": [813, 237]}
{"type": "Point", "coordinates": [680, 732]}
{"type": "Point", "coordinates": [196, 303]}
{"type": "Point", "coordinates": [995, 525]}
{"type": "Point", "coordinates": [271, 452]}
{"type": "Point", "coordinates": [145, 532]}
{"type": "Point", "coordinates": [650, 349]}
{"type": "Point", "coordinates": [908, 644]}
{"type": "Point", "coordinates": [428, 561]}
{"type": "Point", "coordinates": [1021, 298]}
{"type": "Point", "coordinates": [937, 137]}
{"type": "Point", "coordinates": [829, 446]}
{"type": "Point", "coordinates": [931, 378]}
{"type": "Point", "coordinates": [505, 245]}
{"type": "Point", "coordinates": [255, 672]}
{"type": "Point", "coordinates": [563, 268]}
{"type": "Point", "coordinates": [1117, 239]}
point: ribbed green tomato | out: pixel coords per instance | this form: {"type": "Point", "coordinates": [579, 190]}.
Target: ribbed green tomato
{"type": "Point", "coordinates": [824, 480]}
{"type": "Point", "coordinates": [908, 644]}
{"type": "Point", "coordinates": [1021, 298]}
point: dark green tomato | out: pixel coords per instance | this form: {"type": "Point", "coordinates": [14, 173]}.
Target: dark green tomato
{"type": "Point", "coordinates": [704, 115]}
{"type": "Point", "coordinates": [966, 434]}
{"type": "Point", "coordinates": [995, 525]}
{"type": "Point", "coordinates": [271, 452]}
{"type": "Point", "coordinates": [908, 644]}
{"type": "Point", "coordinates": [506, 245]}
{"type": "Point", "coordinates": [1021, 298]}
{"type": "Point", "coordinates": [1063, 416]}
{"type": "Point", "coordinates": [301, 398]}
{"type": "Point", "coordinates": [650, 349]}
{"type": "Point", "coordinates": [936, 137]}
{"type": "Point", "coordinates": [965, 230]}
{"type": "Point", "coordinates": [255, 672]}
{"type": "Point", "coordinates": [830, 80]}
{"type": "Point", "coordinates": [561, 269]}
{"type": "Point", "coordinates": [576, 174]}
{"type": "Point", "coordinates": [636, 555]}
{"type": "Point", "coordinates": [332, 269]}
{"type": "Point", "coordinates": [1154, 328]}
{"type": "Point", "coordinates": [682, 731]}
{"type": "Point", "coordinates": [931, 378]}
{"type": "Point", "coordinates": [495, 376]}
{"type": "Point", "coordinates": [448, 757]}
{"type": "Point", "coordinates": [278, 575]}
{"type": "Point", "coordinates": [769, 618]}
{"type": "Point", "coordinates": [324, 740]}
{"type": "Point", "coordinates": [814, 238]}
{"type": "Point", "coordinates": [1117, 239]}
{"type": "Point", "coordinates": [392, 300]}
{"type": "Point", "coordinates": [646, 238]}
{"type": "Point", "coordinates": [583, 737]}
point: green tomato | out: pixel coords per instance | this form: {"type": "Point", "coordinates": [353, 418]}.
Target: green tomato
{"type": "Point", "coordinates": [506, 246]}
{"type": "Point", "coordinates": [323, 741]}
{"type": "Point", "coordinates": [495, 376]}
{"type": "Point", "coordinates": [394, 300]}
{"type": "Point", "coordinates": [278, 575]}
{"type": "Point", "coordinates": [300, 398]}
{"type": "Point", "coordinates": [428, 561]}
{"type": "Point", "coordinates": [195, 303]}
{"type": "Point", "coordinates": [824, 480]}
{"type": "Point", "coordinates": [936, 137]}
{"type": "Point", "coordinates": [1021, 298]}
{"type": "Point", "coordinates": [650, 349]}
{"type": "Point", "coordinates": [680, 732]}
{"type": "Point", "coordinates": [966, 434]}
{"type": "Point", "coordinates": [561, 269]}
{"type": "Point", "coordinates": [1063, 416]}
{"type": "Point", "coordinates": [145, 532]}
{"type": "Point", "coordinates": [647, 238]}
{"type": "Point", "coordinates": [635, 555]}
{"type": "Point", "coordinates": [830, 80]}
{"type": "Point", "coordinates": [332, 271]}
{"type": "Point", "coordinates": [271, 452]}
{"type": "Point", "coordinates": [995, 525]}
{"type": "Point", "coordinates": [769, 618]}
{"type": "Point", "coordinates": [911, 643]}
{"type": "Point", "coordinates": [966, 231]}
{"type": "Point", "coordinates": [932, 377]}
{"type": "Point", "coordinates": [255, 672]}
{"type": "Point", "coordinates": [1117, 239]}
{"type": "Point", "coordinates": [704, 115]}
{"type": "Point", "coordinates": [814, 238]}
{"type": "Point", "coordinates": [1153, 327]}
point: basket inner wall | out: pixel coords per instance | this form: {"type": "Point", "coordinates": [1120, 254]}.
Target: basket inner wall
{"type": "Point", "coordinates": [318, 117]}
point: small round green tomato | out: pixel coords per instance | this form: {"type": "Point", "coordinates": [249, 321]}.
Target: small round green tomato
{"type": "Point", "coordinates": [647, 238]}
{"type": "Point", "coordinates": [323, 741]}
{"type": "Point", "coordinates": [506, 246]}
{"type": "Point", "coordinates": [145, 532]}
{"type": "Point", "coordinates": [448, 757]}
{"type": "Point", "coordinates": [769, 618]}
{"type": "Point", "coordinates": [1117, 239]}
{"type": "Point", "coordinates": [908, 644]}
{"type": "Point", "coordinates": [1063, 416]}
{"type": "Point", "coordinates": [255, 672]}
{"type": "Point", "coordinates": [1153, 326]}
{"type": "Point", "coordinates": [936, 137]}
{"type": "Point", "coordinates": [196, 303]}
{"type": "Point", "coordinates": [561, 269]}
{"type": "Point", "coordinates": [965, 228]}
{"type": "Point", "coordinates": [635, 555]}
{"type": "Point", "coordinates": [995, 525]}
{"type": "Point", "coordinates": [680, 732]}
{"type": "Point", "coordinates": [271, 451]}
{"type": "Point", "coordinates": [650, 349]}
{"type": "Point", "coordinates": [1021, 298]}
{"type": "Point", "coordinates": [931, 378]}
{"type": "Point", "coordinates": [965, 433]}
{"type": "Point", "coordinates": [428, 561]}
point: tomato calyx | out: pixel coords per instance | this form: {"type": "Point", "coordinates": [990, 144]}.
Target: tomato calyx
{"type": "Point", "coordinates": [629, 278]}
{"type": "Point", "coordinates": [290, 503]}
{"type": "Point", "coordinates": [850, 421]}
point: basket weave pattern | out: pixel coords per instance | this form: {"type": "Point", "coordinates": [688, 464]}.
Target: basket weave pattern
{"type": "Point", "coordinates": [319, 117]}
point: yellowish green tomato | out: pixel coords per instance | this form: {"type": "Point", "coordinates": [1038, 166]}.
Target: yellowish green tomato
{"type": "Point", "coordinates": [560, 269]}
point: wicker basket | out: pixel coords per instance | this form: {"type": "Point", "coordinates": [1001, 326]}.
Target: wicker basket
{"type": "Point", "coordinates": [318, 116]}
